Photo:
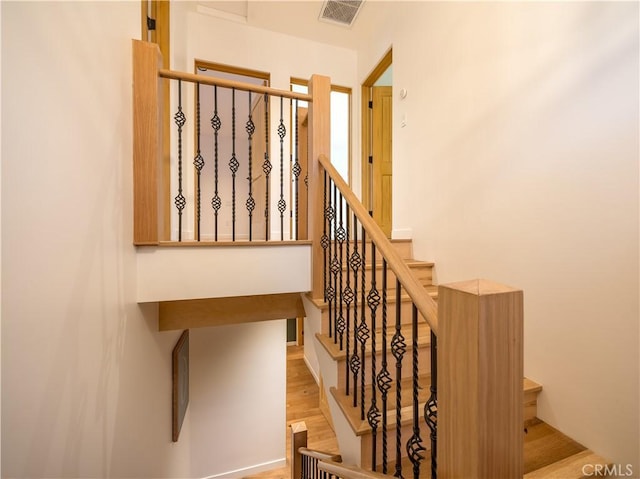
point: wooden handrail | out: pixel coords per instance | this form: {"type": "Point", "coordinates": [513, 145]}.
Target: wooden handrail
{"type": "Point", "coordinates": [425, 304]}
{"type": "Point", "coordinates": [319, 455]}
{"type": "Point", "coordinates": [205, 80]}
{"type": "Point", "coordinates": [348, 472]}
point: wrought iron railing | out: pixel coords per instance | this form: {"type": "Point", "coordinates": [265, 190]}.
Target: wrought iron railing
{"type": "Point", "coordinates": [358, 306]}
{"type": "Point", "coordinates": [233, 172]}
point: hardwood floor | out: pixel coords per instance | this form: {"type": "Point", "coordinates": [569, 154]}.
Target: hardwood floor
{"type": "Point", "coordinates": [302, 405]}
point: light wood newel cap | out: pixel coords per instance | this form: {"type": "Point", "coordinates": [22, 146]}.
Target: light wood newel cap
{"type": "Point", "coordinates": [480, 287]}
{"type": "Point", "coordinates": [297, 427]}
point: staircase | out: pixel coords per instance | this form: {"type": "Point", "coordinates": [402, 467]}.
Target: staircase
{"type": "Point", "coordinates": [547, 452]}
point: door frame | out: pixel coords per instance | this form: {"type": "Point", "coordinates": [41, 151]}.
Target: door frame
{"type": "Point", "coordinates": [380, 68]}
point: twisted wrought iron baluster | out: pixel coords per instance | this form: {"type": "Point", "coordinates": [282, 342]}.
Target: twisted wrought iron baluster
{"type": "Point", "coordinates": [250, 203]}
{"type": "Point", "coordinates": [373, 415]}
{"type": "Point", "coordinates": [348, 299]}
{"type": "Point", "coordinates": [431, 407]}
{"type": "Point", "coordinates": [216, 202]}
{"type": "Point", "coordinates": [363, 329]}
{"type": "Point", "coordinates": [398, 349]}
{"type": "Point", "coordinates": [296, 174]}
{"type": "Point", "coordinates": [324, 240]}
{"type": "Point", "coordinates": [180, 200]}
{"type": "Point", "coordinates": [198, 163]}
{"type": "Point", "coordinates": [233, 164]}
{"type": "Point", "coordinates": [266, 168]}
{"type": "Point", "coordinates": [340, 236]}
{"type": "Point", "coordinates": [384, 377]}
{"type": "Point", "coordinates": [335, 264]}
{"type": "Point", "coordinates": [355, 263]}
{"type": "Point", "coordinates": [331, 292]}
{"type": "Point", "coordinates": [282, 204]}
{"type": "Point", "coordinates": [414, 446]}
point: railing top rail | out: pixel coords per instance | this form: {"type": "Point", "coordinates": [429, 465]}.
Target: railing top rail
{"type": "Point", "coordinates": [349, 472]}
{"type": "Point", "coordinates": [412, 286]}
{"type": "Point", "coordinates": [321, 456]}
{"type": "Point", "coordinates": [205, 80]}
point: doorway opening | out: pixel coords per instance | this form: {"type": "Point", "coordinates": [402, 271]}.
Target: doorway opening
{"type": "Point", "coordinates": [377, 166]}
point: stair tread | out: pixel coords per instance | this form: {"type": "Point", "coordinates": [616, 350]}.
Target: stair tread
{"type": "Point", "coordinates": [424, 340]}
{"type": "Point", "coordinates": [432, 289]}
{"type": "Point", "coordinates": [531, 386]}
{"type": "Point", "coordinates": [570, 467]}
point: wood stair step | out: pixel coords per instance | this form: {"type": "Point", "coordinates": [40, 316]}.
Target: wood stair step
{"type": "Point", "coordinates": [577, 466]}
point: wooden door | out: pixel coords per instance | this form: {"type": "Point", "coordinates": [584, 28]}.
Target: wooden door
{"type": "Point", "coordinates": [382, 157]}
{"type": "Point", "coordinates": [258, 178]}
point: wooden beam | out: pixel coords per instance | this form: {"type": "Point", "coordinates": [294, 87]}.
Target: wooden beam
{"type": "Point", "coordinates": [146, 142]}
{"type": "Point", "coordinates": [480, 373]}
{"type": "Point", "coordinates": [319, 144]}
{"type": "Point", "coordinates": [198, 313]}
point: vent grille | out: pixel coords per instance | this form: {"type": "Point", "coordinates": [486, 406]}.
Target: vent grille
{"type": "Point", "coordinates": [341, 12]}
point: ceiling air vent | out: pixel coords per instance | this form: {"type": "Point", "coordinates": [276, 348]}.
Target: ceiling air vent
{"type": "Point", "coordinates": [341, 12]}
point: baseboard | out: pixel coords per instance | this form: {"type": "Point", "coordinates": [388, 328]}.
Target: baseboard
{"type": "Point", "coordinates": [249, 471]}
{"type": "Point", "coordinates": [313, 373]}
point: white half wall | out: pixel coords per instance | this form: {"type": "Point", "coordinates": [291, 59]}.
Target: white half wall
{"type": "Point", "coordinates": [174, 273]}
{"type": "Point", "coordinates": [521, 148]}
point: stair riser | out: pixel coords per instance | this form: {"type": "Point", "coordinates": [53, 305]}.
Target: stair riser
{"type": "Point", "coordinates": [424, 363]}
{"type": "Point", "coordinates": [422, 271]}
{"type": "Point", "coordinates": [403, 248]}
{"type": "Point", "coordinates": [405, 315]}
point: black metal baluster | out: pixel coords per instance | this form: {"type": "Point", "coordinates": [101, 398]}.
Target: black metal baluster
{"type": "Point", "coordinates": [216, 203]}
{"type": "Point", "coordinates": [363, 329]}
{"type": "Point", "coordinates": [335, 263]}
{"type": "Point", "coordinates": [414, 446]}
{"type": "Point", "coordinates": [198, 163]}
{"type": "Point", "coordinates": [398, 349]}
{"type": "Point", "coordinates": [251, 203]}
{"type": "Point", "coordinates": [296, 174]}
{"type": "Point", "coordinates": [348, 299]}
{"type": "Point", "coordinates": [384, 378]}
{"type": "Point", "coordinates": [282, 204]}
{"type": "Point", "coordinates": [340, 236]}
{"type": "Point", "coordinates": [180, 200]}
{"type": "Point", "coordinates": [324, 241]}
{"type": "Point", "coordinates": [233, 164]}
{"type": "Point", "coordinates": [266, 168]}
{"type": "Point", "coordinates": [356, 262]}
{"type": "Point", "coordinates": [431, 407]}
{"type": "Point", "coordinates": [331, 292]}
{"type": "Point", "coordinates": [373, 415]}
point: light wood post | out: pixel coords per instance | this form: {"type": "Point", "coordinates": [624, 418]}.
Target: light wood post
{"type": "Point", "coordinates": [298, 440]}
{"type": "Point", "coordinates": [319, 144]}
{"type": "Point", "coordinates": [146, 142]}
{"type": "Point", "coordinates": [480, 371]}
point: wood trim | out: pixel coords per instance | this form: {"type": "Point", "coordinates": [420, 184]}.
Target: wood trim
{"type": "Point", "coordinates": [480, 385]}
{"type": "Point", "coordinates": [365, 97]}
{"type": "Point", "coordinates": [222, 244]}
{"type": "Point", "coordinates": [349, 472]}
{"type": "Point", "coordinates": [204, 80]}
{"type": "Point", "coordinates": [146, 138]}
{"type": "Point", "coordinates": [319, 455]}
{"type": "Point", "coordinates": [319, 145]}
{"type": "Point", "coordinates": [419, 295]}
{"type": "Point", "coordinates": [198, 313]}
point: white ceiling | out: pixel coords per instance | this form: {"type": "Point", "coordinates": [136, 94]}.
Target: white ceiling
{"type": "Point", "coordinates": [293, 17]}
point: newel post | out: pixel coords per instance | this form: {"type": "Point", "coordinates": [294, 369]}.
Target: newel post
{"type": "Point", "coordinates": [298, 440]}
{"type": "Point", "coordinates": [147, 135]}
{"type": "Point", "coordinates": [480, 373]}
{"type": "Point", "coordinates": [319, 144]}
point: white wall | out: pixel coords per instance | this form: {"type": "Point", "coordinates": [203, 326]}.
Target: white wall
{"type": "Point", "coordinates": [521, 147]}
{"type": "Point", "coordinates": [238, 398]}
{"type": "Point", "coordinates": [86, 377]}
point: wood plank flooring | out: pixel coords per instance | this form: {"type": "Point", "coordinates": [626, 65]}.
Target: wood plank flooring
{"type": "Point", "coordinates": [302, 405]}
